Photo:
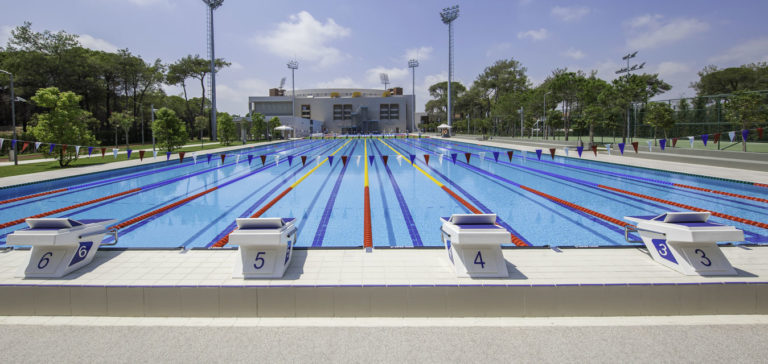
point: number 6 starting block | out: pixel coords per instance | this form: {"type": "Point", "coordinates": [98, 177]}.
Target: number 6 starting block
{"type": "Point", "coordinates": [59, 245]}
{"type": "Point", "coordinates": [473, 243]}
{"type": "Point", "coordinates": [265, 246]}
{"type": "Point", "coordinates": [686, 242]}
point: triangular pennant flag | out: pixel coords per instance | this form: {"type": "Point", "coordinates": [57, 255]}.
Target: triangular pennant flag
{"type": "Point", "coordinates": [453, 157]}
{"type": "Point", "coordinates": [2, 140]}
{"type": "Point", "coordinates": [263, 159]}
{"type": "Point", "coordinates": [250, 158]}
{"type": "Point", "coordinates": [114, 152]}
{"type": "Point", "coordinates": [650, 145]}
{"type": "Point", "coordinates": [621, 148]}
{"type": "Point", "coordinates": [399, 159]}
{"type": "Point", "coordinates": [37, 144]}
{"type": "Point", "coordinates": [760, 133]}
{"type": "Point", "coordinates": [223, 156]}
{"type": "Point", "coordinates": [128, 152]}
{"type": "Point", "coordinates": [24, 147]}
{"type": "Point", "coordinates": [608, 148]}
{"type": "Point", "coordinates": [330, 158]}
{"type": "Point", "coordinates": [77, 150]}
{"type": "Point", "coordinates": [440, 159]}
{"type": "Point", "coordinates": [64, 148]}
{"type": "Point", "coordinates": [384, 159]}
{"type": "Point", "coordinates": [50, 148]}
{"type": "Point", "coordinates": [744, 133]}
{"type": "Point", "coordinates": [566, 150]}
{"type": "Point", "coordinates": [467, 155]}
{"type": "Point", "coordinates": [237, 158]}
{"type": "Point", "coordinates": [370, 159]}
{"type": "Point", "coordinates": [662, 143]}
{"type": "Point", "coordinates": [167, 155]}
{"type": "Point", "coordinates": [303, 160]}
{"type": "Point", "coordinates": [357, 158]}
{"type": "Point", "coordinates": [717, 138]}
{"type": "Point", "coordinates": [412, 157]}
{"type": "Point", "coordinates": [552, 152]}
{"type": "Point", "coordinates": [103, 150]}
{"type": "Point", "coordinates": [13, 143]}
{"type": "Point", "coordinates": [704, 138]}
{"type": "Point", "coordinates": [277, 159]}
{"type": "Point", "coordinates": [509, 154]}
{"type": "Point", "coordinates": [154, 154]}
{"type": "Point", "coordinates": [181, 157]}
{"type": "Point", "coordinates": [90, 150]}
{"type": "Point", "coordinates": [594, 150]}
{"type": "Point", "coordinates": [731, 135]}
{"type": "Point", "coordinates": [538, 154]}
{"type": "Point", "coordinates": [290, 160]}
{"type": "Point", "coordinates": [141, 155]}
{"type": "Point", "coordinates": [482, 156]}
{"type": "Point", "coordinates": [426, 158]}
{"type": "Point", "coordinates": [580, 149]}
{"type": "Point", "coordinates": [496, 156]}
{"type": "Point", "coordinates": [209, 157]}
{"type": "Point", "coordinates": [635, 146]}
{"type": "Point", "coordinates": [525, 155]}
{"type": "Point", "coordinates": [690, 140]}
{"type": "Point", "coordinates": [344, 160]}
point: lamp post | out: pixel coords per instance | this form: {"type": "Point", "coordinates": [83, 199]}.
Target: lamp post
{"type": "Point", "coordinates": [293, 65]}
{"type": "Point", "coordinates": [448, 15]}
{"type": "Point", "coordinates": [627, 70]}
{"type": "Point", "coordinates": [152, 108]}
{"type": "Point", "coordinates": [544, 116]}
{"type": "Point", "coordinates": [212, 5]}
{"type": "Point", "coordinates": [13, 118]}
{"type": "Point", "coordinates": [522, 127]}
{"type": "Point", "coordinates": [412, 64]}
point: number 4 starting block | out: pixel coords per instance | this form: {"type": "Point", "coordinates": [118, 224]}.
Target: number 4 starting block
{"type": "Point", "coordinates": [686, 242]}
{"type": "Point", "coordinates": [473, 243]}
{"type": "Point", "coordinates": [265, 244]}
{"type": "Point", "coordinates": [59, 245]}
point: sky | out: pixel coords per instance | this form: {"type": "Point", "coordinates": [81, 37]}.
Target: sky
{"type": "Point", "coordinates": [347, 44]}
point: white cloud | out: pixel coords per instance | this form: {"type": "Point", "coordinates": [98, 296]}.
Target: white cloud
{"type": "Point", "coordinates": [422, 53]}
{"type": "Point", "coordinates": [574, 53]}
{"type": "Point", "coordinates": [305, 37]}
{"type": "Point", "coordinates": [88, 41]}
{"type": "Point", "coordinates": [5, 34]}
{"type": "Point", "coordinates": [151, 2]}
{"type": "Point", "coordinates": [649, 31]}
{"type": "Point", "coordinates": [534, 34]}
{"type": "Point", "coordinates": [341, 82]}
{"type": "Point", "coordinates": [753, 50]}
{"type": "Point", "coordinates": [233, 97]}
{"type": "Point", "coordinates": [570, 13]}
{"type": "Point", "coordinates": [498, 49]}
{"type": "Point", "coordinates": [670, 68]}
{"type": "Point", "coordinates": [395, 75]}
{"type": "Point", "coordinates": [236, 65]}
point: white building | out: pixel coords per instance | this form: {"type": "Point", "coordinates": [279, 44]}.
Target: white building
{"type": "Point", "coordinates": [345, 111]}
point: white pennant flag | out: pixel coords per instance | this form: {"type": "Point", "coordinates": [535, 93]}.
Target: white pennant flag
{"type": "Point", "coordinates": [154, 154]}
{"type": "Point", "coordinates": [690, 139]}
{"type": "Point", "coordinates": [1, 142]}
{"type": "Point", "coordinates": [37, 145]}
{"type": "Point", "coordinates": [525, 155]}
{"type": "Point", "coordinates": [114, 152]}
{"type": "Point", "coordinates": [400, 159]}
{"type": "Point", "coordinates": [566, 151]}
{"type": "Point", "coordinates": [77, 150]}
{"type": "Point", "coordinates": [731, 134]}
{"type": "Point", "coordinates": [441, 159]}
{"type": "Point", "coordinates": [277, 159]}
{"type": "Point", "coordinates": [650, 145]}
{"type": "Point", "coordinates": [194, 157]}
{"type": "Point", "coordinates": [482, 156]}
{"type": "Point", "coordinates": [237, 158]}
{"type": "Point", "coordinates": [357, 161]}
{"type": "Point", "coordinates": [317, 159]}
{"type": "Point", "coordinates": [608, 148]}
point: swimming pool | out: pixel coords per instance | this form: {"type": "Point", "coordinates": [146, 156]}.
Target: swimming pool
{"type": "Point", "coordinates": [552, 201]}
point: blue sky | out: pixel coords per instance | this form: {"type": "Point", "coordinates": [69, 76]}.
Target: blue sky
{"type": "Point", "coordinates": [348, 43]}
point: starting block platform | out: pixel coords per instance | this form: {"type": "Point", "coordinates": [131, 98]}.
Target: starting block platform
{"type": "Point", "coordinates": [473, 243]}
{"type": "Point", "coordinates": [265, 246]}
{"type": "Point", "coordinates": [687, 242]}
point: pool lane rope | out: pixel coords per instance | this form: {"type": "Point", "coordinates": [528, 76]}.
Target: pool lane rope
{"type": "Point", "coordinates": [367, 229]}
{"type": "Point", "coordinates": [515, 239]}
{"type": "Point", "coordinates": [223, 241]}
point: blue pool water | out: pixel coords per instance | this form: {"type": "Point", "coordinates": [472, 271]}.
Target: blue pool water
{"type": "Point", "coordinates": [405, 204]}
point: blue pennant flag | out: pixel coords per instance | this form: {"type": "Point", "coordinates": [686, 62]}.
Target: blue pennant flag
{"type": "Point", "coordinates": [129, 153]}
{"type": "Point", "coordinates": [209, 158]}
{"type": "Point", "coordinates": [453, 157]}
{"type": "Point", "coordinates": [744, 133]}
{"type": "Point", "coordinates": [662, 143]}
{"type": "Point", "coordinates": [370, 159]}
{"type": "Point", "coordinates": [538, 153]}
{"type": "Point", "coordinates": [496, 156]}
{"type": "Point", "coordinates": [250, 158]}
{"type": "Point", "coordinates": [330, 159]}
{"type": "Point", "coordinates": [290, 160]}
{"type": "Point", "coordinates": [13, 144]}
{"type": "Point", "coordinates": [50, 149]}
{"type": "Point", "coordinates": [704, 138]}
{"type": "Point", "coordinates": [621, 148]}
{"type": "Point", "coordinates": [580, 149]}
{"type": "Point", "coordinates": [412, 156]}
{"type": "Point", "coordinates": [90, 150]}
{"type": "Point", "coordinates": [167, 155]}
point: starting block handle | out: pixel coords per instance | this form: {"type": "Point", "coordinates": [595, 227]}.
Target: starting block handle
{"type": "Point", "coordinates": [630, 229]}
{"type": "Point", "coordinates": [113, 232]}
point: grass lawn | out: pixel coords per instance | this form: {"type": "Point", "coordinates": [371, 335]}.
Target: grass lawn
{"type": "Point", "coordinates": [96, 158]}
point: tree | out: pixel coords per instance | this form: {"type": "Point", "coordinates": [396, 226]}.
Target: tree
{"type": "Point", "coordinates": [748, 77]}
{"type": "Point", "coordinates": [259, 127]}
{"type": "Point", "coordinates": [659, 115]}
{"type": "Point", "coordinates": [437, 107]}
{"type": "Point", "coordinates": [744, 110]}
{"type": "Point", "coordinates": [121, 120]}
{"type": "Point", "coordinates": [201, 123]}
{"type": "Point", "coordinates": [198, 68]}
{"type": "Point", "coordinates": [503, 77]}
{"type": "Point", "coordinates": [64, 123]}
{"type": "Point", "coordinates": [225, 127]}
{"type": "Point", "coordinates": [170, 131]}
{"type": "Point", "coordinates": [272, 124]}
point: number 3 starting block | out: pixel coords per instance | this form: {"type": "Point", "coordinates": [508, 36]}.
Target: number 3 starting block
{"type": "Point", "coordinates": [265, 244]}
{"type": "Point", "coordinates": [686, 242]}
{"type": "Point", "coordinates": [473, 243]}
{"type": "Point", "coordinates": [59, 245]}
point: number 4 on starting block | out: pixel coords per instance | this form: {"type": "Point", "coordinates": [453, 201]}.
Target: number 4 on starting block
{"type": "Point", "coordinates": [473, 243]}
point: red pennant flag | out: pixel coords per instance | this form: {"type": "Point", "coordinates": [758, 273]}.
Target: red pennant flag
{"type": "Point", "coordinates": [344, 160]}
{"type": "Point", "coordinates": [760, 133]}
{"type": "Point", "coordinates": [102, 152]}
{"type": "Point", "coordinates": [674, 142]}
{"type": "Point", "coordinates": [64, 148]}
{"type": "Point", "coordinates": [181, 156]}
{"type": "Point", "coordinates": [634, 145]}
{"type": "Point", "coordinates": [467, 155]}
{"type": "Point", "coordinates": [717, 138]}
{"type": "Point", "coordinates": [426, 158]}
{"type": "Point", "coordinates": [385, 158]}
{"type": "Point", "coordinates": [263, 159]}
{"type": "Point", "coordinates": [26, 144]}
{"type": "Point", "coordinates": [552, 152]}
{"type": "Point", "coordinates": [509, 154]}
{"type": "Point", "coordinates": [303, 159]}
{"type": "Point", "coordinates": [141, 155]}
{"type": "Point", "coordinates": [594, 150]}
{"type": "Point", "coordinates": [222, 158]}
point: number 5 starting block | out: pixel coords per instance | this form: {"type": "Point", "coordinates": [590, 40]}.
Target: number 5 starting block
{"type": "Point", "coordinates": [265, 244]}
{"type": "Point", "coordinates": [473, 243]}
{"type": "Point", "coordinates": [59, 245]}
{"type": "Point", "coordinates": [686, 242]}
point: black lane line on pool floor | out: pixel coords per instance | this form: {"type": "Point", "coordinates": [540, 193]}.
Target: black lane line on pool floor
{"type": "Point", "coordinates": [326, 216]}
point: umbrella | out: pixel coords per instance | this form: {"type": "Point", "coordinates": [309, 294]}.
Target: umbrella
{"type": "Point", "coordinates": [443, 126]}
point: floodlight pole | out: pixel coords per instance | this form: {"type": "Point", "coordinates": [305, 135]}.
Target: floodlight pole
{"type": "Point", "coordinates": [152, 123]}
{"type": "Point", "coordinates": [13, 118]}
{"type": "Point", "coordinates": [544, 116]}
{"type": "Point", "coordinates": [412, 64]}
{"type": "Point", "coordinates": [293, 65]}
{"type": "Point", "coordinates": [629, 69]}
{"type": "Point", "coordinates": [448, 15]}
{"type": "Point", "coordinates": [213, 5]}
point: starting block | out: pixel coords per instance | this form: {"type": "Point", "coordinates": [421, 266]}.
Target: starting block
{"type": "Point", "coordinates": [59, 245]}
{"type": "Point", "coordinates": [473, 243]}
{"type": "Point", "coordinates": [686, 242]}
{"type": "Point", "coordinates": [265, 246]}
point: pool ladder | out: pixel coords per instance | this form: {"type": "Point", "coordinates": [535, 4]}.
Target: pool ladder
{"type": "Point", "coordinates": [630, 229]}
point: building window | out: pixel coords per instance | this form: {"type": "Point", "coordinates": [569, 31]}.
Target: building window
{"type": "Point", "coordinates": [338, 112]}
{"type": "Point", "coordinates": [394, 111]}
{"type": "Point", "coordinates": [306, 111]}
{"type": "Point", "coordinates": [348, 112]}
{"type": "Point", "coordinates": [384, 112]}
